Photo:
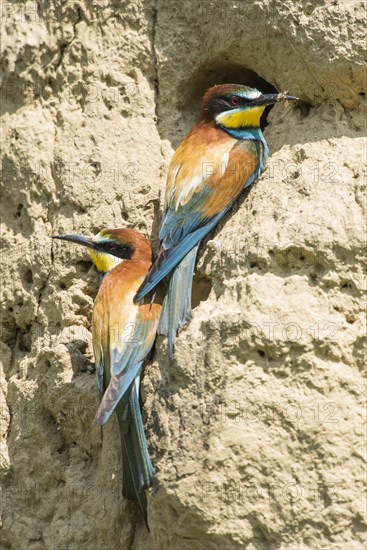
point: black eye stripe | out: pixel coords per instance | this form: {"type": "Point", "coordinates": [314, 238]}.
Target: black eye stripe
{"type": "Point", "coordinates": [225, 103]}
{"type": "Point", "coordinates": [118, 250]}
{"type": "Point", "coordinates": [238, 99]}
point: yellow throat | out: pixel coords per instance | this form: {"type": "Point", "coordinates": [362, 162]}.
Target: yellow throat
{"type": "Point", "coordinates": [104, 262]}
{"type": "Point", "coordinates": [241, 118]}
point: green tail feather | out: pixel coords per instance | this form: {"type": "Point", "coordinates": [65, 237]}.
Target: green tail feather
{"type": "Point", "coordinates": [138, 471]}
{"type": "Point", "coordinates": [176, 310]}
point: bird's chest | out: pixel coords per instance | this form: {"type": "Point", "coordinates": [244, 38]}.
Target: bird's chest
{"type": "Point", "coordinates": [114, 310]}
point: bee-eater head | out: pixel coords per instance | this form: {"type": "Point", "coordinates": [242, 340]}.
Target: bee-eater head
{"type": "Point", "coordinates": [236, 106]}
{"type": "Point", "coordinates": [111, 246]}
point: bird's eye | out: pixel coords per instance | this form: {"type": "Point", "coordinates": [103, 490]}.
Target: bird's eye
{"type": "Point", "coordinates": [234, 101]}
{"type": "Point", "coordinates": [112, 247]}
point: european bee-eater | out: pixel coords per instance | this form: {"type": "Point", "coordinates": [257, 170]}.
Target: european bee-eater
{"type": "Point", "coordinates": [222, 155]}
{"type": "Point", "coordinates": [123, 335]}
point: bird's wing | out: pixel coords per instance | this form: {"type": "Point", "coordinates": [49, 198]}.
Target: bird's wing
{"type": "Point", "coordinates": [200, 189]}
{"type": "Point", "coordinates": [124, 333]}
{"type": "Point", "coordinates": [99, 362]}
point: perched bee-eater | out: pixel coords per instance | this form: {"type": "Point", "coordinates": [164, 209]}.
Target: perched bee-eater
{"type": "Point", "coordinates": [123, 335]}
{"type": "Point", "coordinates": [222, 155]}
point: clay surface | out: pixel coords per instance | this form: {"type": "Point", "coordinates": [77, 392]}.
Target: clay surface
{"type": "Point", "coordinates": [256, 430]}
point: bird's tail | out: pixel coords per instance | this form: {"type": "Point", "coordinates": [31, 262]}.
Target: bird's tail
{"type": "Point", "coordinates": [176, 309]}
{"type": "Point", "coordinates": [138, 471]}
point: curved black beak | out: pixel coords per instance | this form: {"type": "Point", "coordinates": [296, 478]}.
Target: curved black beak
{"type": "Point", "coordinates": [269, 99]}
{"type": "Point", "coordinates": [79, 239]}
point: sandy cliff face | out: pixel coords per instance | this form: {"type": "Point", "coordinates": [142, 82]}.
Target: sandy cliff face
{"type": "Point", "coordinates": [256, 430]}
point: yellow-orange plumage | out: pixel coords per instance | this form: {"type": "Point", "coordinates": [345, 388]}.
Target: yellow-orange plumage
{"type": "Point", "coordinates": [223, 167]}
{"type": "Point", "coordinates": [120, 326]}
{"type": "Point", "coordinates": [123, 335]}
{"type": "Point", "coordinates": [116, 318]}
{"type": "Point", "coordinates": [224, 153]}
